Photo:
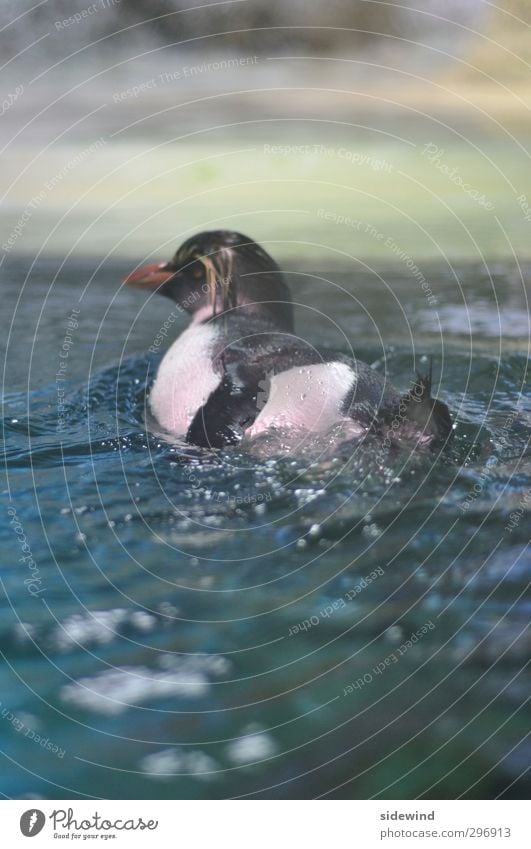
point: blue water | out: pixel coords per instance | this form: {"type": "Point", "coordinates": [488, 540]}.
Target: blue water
{"type": "Point", "coordinates": [209, 625]}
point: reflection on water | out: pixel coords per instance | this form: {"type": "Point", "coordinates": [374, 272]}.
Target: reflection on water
{"type": "Point", "coordinates": [215, 625]}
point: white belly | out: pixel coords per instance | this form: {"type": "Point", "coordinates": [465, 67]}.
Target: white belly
{"type": "Point", "coordinates": [308, 398]}
{"type": "Point", "coordinates": [185, 379]}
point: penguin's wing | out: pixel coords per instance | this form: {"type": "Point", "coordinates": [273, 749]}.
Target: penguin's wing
{"type": "Point", "coordinates": [247, 369]}
{"type": "Point", "coordinates": [229, 410]}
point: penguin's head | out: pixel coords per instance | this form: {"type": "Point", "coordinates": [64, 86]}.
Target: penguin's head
{"type": "Point", "coordinates": [221, 272]}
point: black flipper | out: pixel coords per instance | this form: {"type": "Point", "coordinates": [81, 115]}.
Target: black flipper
{"type": "Point", "coordinates": [421, 417]}
{"type": "Point", "coordinates": [223, 419]}
{"type": "Point", "coordinates": [230, 409]}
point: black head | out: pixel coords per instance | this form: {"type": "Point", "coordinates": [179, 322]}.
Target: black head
{"type": "Point", "coordinates": [219, 272]}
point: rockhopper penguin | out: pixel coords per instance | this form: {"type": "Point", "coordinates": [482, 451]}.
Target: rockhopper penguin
{"type": "Point", "coordinates": [239, 370]}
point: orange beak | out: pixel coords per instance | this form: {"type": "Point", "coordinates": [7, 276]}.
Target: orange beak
{"type": "Point", "coordinates": [150, 277]}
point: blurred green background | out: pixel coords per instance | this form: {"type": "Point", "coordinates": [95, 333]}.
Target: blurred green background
{"type": "Point", "coordinates": [138, 123]}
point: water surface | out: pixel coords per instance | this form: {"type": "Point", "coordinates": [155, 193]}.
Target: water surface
{"type": "Point", "coordinates": [189, 624]}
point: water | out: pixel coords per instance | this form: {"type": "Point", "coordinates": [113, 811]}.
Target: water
{"type": "Point", "coordinates": [195, 625]}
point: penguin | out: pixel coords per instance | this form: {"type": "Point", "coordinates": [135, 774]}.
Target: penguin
{"type": "Point", "coordinates": [239, 370]}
